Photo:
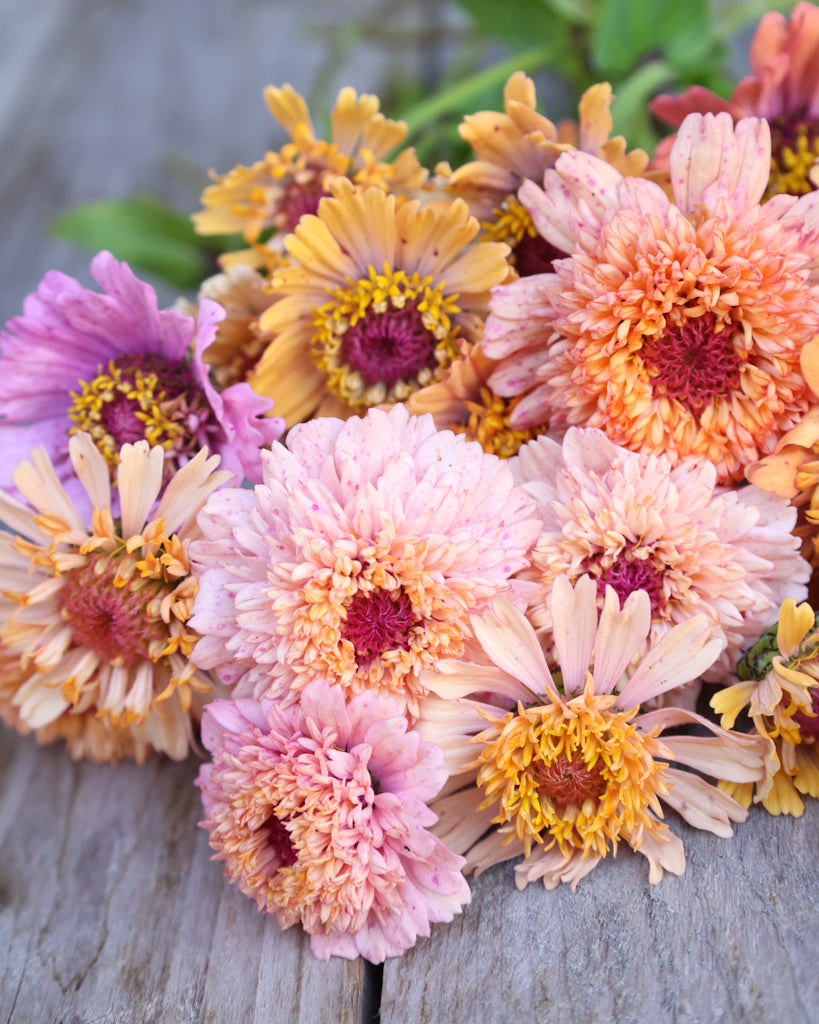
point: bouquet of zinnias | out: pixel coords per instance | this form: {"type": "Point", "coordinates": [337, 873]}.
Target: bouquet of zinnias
{"type": "Point", "coordinates": [526, 556]}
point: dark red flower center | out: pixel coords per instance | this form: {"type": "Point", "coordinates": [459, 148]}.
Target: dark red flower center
{"type": "Point", "coordinates": [568, 782]}
{"type": "Point", "coordinates": [279, 839]}
{"type": "Point", "coordinates": [534, 255]}
{"type": "Point", "coordinates": [628, 574]}
{"type": "Point", "coordinates": [105, 618]}
{"type": "Point", "coordinates": [794, 149]}
{"type": "Point", "coordinates": [693, 363]}
{"type": "Point", "coordinates": [389, 346]}
{"type": "Point", "coordinates": [809, 727]}
{"type": "Point", "coordinates": [300, 197]}
{"type": "Point", "coordinates": [378, 621]}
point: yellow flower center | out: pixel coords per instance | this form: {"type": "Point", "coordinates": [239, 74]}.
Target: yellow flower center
{"type": "Point", "coordinates": [574, 773]}
{"type": "Point", "coordinates": [794, 151]}
{"type": "Point", "coordinates": [513, 224]}
{"type": "Point", "coordinates": [140, 397]}
{"type": "Point", "coordinates": [488, 424]}
{"type": "Point", "coordinates": [383, 337]}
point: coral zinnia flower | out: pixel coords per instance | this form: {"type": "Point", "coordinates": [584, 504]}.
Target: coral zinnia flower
{"type": "Point", "coordinates": [359, 559]}
{"type": "Point", "coordinates": [116, 366]}
{"type": "Point", "coordinates": [779, 688]}
{"type": "Point", "coordinates": [633, 521]}
{"type": "Point", "coordinates": [674, 328]}
{"type": "Point", "coordinates": [319, 811]}
{"type": "Point", "coordinates": [96, 618]}
{"type": "Point", "coordinates": [375, 304]}
{"type": "Point", "coordinates": [520, 144]}
{"type": "Point", "coordinates": [784, 89]}
{"type": "Point", "coordinates": [278, 190]}
{"type": "Point", "coordinates": [569, 767]}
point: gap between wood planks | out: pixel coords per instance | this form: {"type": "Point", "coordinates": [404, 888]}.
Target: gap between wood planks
{"type": "Point", "coordinates": [371, 993]}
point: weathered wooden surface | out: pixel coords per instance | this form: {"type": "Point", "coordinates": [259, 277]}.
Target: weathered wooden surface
{"type": "Point", "coordinates": [110, 909]}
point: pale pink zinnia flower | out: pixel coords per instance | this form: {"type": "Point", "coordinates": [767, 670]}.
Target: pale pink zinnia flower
{"type": "Point", "coordinates": [116, 366]}
{"type": "Point", "coordinates": [784, 89]}
{"type": "Point", "coordinates": [563, 769]}
{"type": "Point", "coordinates": [359, 559]}
{"type": "Point", "coordinates": [633, 521]}
{"type": "Point", "coordinates": [95, 639]}
{"type": "Point", "coordinates": [673, 326]}
{"type": "Point", "coordinates": [319, 811]}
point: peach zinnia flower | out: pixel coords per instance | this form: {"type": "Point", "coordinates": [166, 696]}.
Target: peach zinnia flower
{"type": "Point", "coordinates": [632, 520]}
{"type": "Point", "coordinates": [519, 145]}
{"type": "Point", "coordinates": [562, 769]}
{"type": "Point", "coordinates": [375, 304]}
{"type": "Point", "coordinates": [94, 620]}
{"type": "Point", "coordinates": [784, 89]}
{"type": "Point", "coordinates": [359, 559]}
{"type": "Point", "coordinates": [673, 327]}
{"type": "Point", "coordinates": [779, 690]}
{"type": "Point", "coordinates": [319, 811]}
{"type": "Point", "coordinates": [278, 190]}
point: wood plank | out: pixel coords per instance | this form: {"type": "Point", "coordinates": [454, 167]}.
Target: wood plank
{"type": "Point", "coordinates": [732, 940]}
{"type": "Point", "coordinates": [112, 911]}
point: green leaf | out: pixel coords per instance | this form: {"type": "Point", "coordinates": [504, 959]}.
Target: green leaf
{"type": "Point", "coordinates": [517, 22]}
{"type": "Point", "coordinates": [629, 30]}
{"type": "Point", "coordinates": [142, 232]}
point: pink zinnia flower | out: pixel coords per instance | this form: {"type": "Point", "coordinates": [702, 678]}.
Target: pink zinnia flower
{"type": "Point", "coordinates": [674, 327]}
{"type": "Point", "coordinates": [319, 811]}
{"type": "Point", "coordinates": [632, 520]}
{"type": "Point", "coordinates": [116, 366]}
{"type": "Point", "coordinates": [359, 559]}
{"type": "Point", "coordinates": [784, 89]}
{"type": "Point", "coordinates": [570, 767]}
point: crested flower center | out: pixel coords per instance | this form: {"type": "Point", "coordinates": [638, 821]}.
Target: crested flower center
{"type": "Point", "coordinates": [577, 774]}
{"type": "Point", "coordinates": [809, 725]}
{"type": "Point", "coordinates": [627, 574]}
{"type": "Point", "coordinates": [694, 362]}
{"type": "Point", "coordinates": [382, 338]}
{"type": "Point", "coordinates": [378, 621]}
{"type": "Point", "coordinates": [488, 424]}
{"type": "Point", "coordinates": [108, 617]}
{"type": "Point", "coordinates": [141, 396]}
{"type": "Point", "coordinates": [513, 224]}
{"type": "Point", "coordinates": [794, 151]}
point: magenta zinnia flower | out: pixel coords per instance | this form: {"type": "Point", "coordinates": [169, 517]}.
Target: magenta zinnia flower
{"type": "Point", "coordinates": [117, 367]}
{"type": "Point", "coordinates": [319, 811]}
{"type": "Point", "coordinates": [562, 769]}
{"type": "Point", "coordinates": [359, 559]}
{"type": "Point", "coordinates": [674, 327]}
{"type": "Point", "coordinates": [632, 520]}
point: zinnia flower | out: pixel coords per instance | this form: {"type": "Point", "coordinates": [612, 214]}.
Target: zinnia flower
{"type": "Point", "coordinates": [94, 628]}
{"type": "Point", "coordinates": [784, 89]}
{"type": "Point", "coordinates": [519, 145]}
{"type": "Point", "coordinates": [278, 190]}
{"type": "Point", "coordinates": [779, 690]}
{"type": "Point", "coordinates": [675, 328]}
{"type": "Point", "coordinates": [359, 559]}
{"type": "Point", "coordinates": [464, 402]}
{"type": "Point", "coordinates": [632, 520]}
{"type": "Point", "coordinates": [376, 302]}
{"type": "Point", "coordinates": [564, 768]}
{"type": "Point", "coordinates": [319, 811]}
{"type": "Point", "coordinates": [116, 366]}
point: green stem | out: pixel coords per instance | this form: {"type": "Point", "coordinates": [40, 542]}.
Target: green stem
{"type": "Point", "coordinates": [456, 96]}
